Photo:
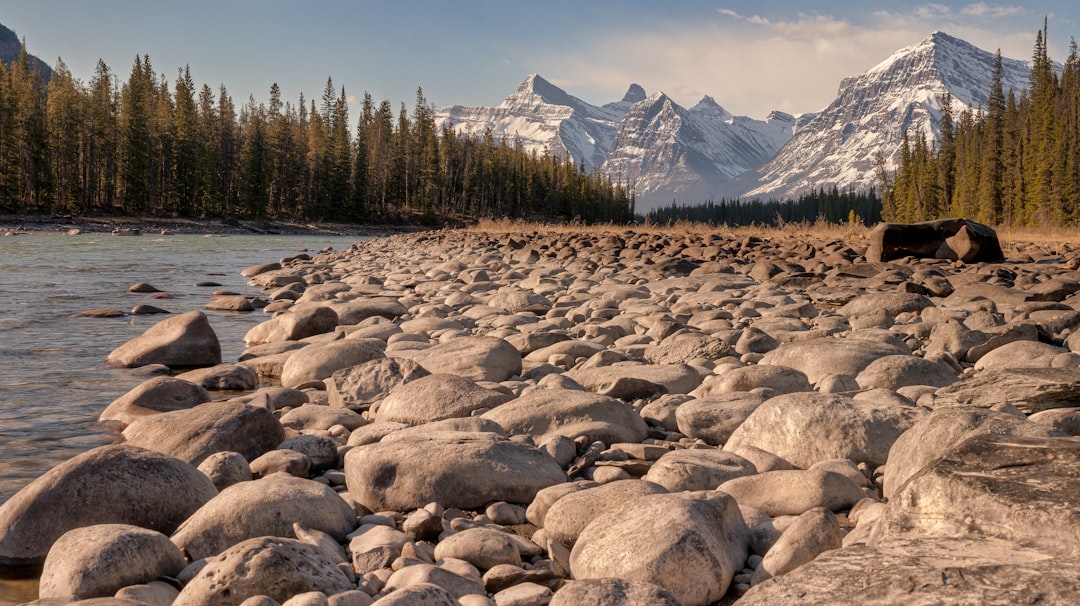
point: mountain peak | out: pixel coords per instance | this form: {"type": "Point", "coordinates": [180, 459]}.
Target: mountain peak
{"type": "Point", "coordinates": [634, 94]}
{"type": "Point", "coordinates": [709, 107]}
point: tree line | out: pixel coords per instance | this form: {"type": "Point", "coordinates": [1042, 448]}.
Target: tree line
{"type": "Point", "coordinates": [1015, 162]}
{"type": "Point", "coordinates": [830, 205]}
{"type": "Point", "coordinates": [148, 148]}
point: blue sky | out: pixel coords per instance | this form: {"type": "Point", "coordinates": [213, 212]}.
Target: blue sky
{"type": "Point", "coordinates": [751, 56]}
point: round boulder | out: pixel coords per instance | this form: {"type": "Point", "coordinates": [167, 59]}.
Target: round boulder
{"type": "Point", "coordinates": [571, 513]}
{"type": "Point", "coordinates": [179, 341]}
{"type": "Point", "coordinates": [894, 372]}
{"type": "Point", "coordinates": [434, 398]}
{"type": "Point", "coordinates": [697, 469]}
{"type": "Point", "coordinates": [476, 358]}
{"type": "Point", "coordinates": [146, 489]}
{"type": "Point", "coordinates": [689, 543]}
{"type": "Point", "coordinates": [276, 567]}
{"type": "Point", "coordinates": [153, 396]}
{"type": "Point", "coordinates": [570, 413]}
{"type": "Point", "coordinates": [192, 435]}
{"type": "Point", "coordinates": [317, 362]}
{"type": "Point", "coordinates": [454, 469]}
{"type": "Point", "coordinates": [818, 358]}
{"type": "Point", "coordinates": [266, 507]}
{"type": "Point", "coordinates": [97, 561]}
{"type": "Point", "coordinates": [713, 418]}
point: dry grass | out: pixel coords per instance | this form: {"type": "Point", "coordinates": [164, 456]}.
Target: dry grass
{"type": "Point", "coordinates": [1054, 240]}
{"type": "Point", "coordinates": [818, 230]}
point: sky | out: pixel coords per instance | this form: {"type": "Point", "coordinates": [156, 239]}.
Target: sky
{"type": "Point", "coordinates": [751, 56]}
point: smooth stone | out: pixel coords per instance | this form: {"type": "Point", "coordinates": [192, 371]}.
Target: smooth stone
{"type": "Point", "coordinates": [612, 592]}
{"type": "Point", "coordinates": [454, 469]}
{"type": "Point", "coordinates": [222, 377]}
{"type": "Point", "coordinates": [893, 304]}
{"type": "Point", "coordinates": [955, 239]}
{"type": "Point", "coordinates": [713, 418]}
{"type": "Point", "coordinates": [299, 322]}
{"type": "Point", "coordinates": [819, 357]}
{"type": "Point", "coordinates": [143, 287]}
{"type": "Point", "coordinates": [275, 567]}
{"type": "Point", "coordinates": [1065, 420]}
{"type": "Point", "coordinates": [805, 428]}
{"type": "Point", "coordinates": [194, 434]}
{"type": "Point", "coordinates": [154, 593]}
{"type": "Point", "coordinates": [260, 268]}
{"type": "Point", "coordinates": [689, 543]}
{"type": "Point", "coordinates": [97, 561]}
{"type": "Point", "coordinates": [153, 396]}
{"type": "Point", "coordinates": [812, 533]}
{"type": "Point", "coordinates": [794, 491]}
{"type": "Point", "coordinates": [894, 372]}
{"type": "Point", "coordinates": [434, 398]}
{"type": "Point", "coordinates": [1020, 354]}
{"type": "Point", "coordinates": [238, 303]}
{"type": "Point", "coordinates": [266, 507]}
{"type": "Point", "coordinates": [569, 413]}
{"type": "Point", "coordinates": [287, 461]}
{"type": "Point", "coordinates": [546, 497]}
{"type": "Point", "coordinates": [481, 547]}
{"type": "Point", "coordinates": [682, 349]}
{"type": "Point", "coordinates": [629, 381]}
{"type": "Point", "coordinates": [320, 416]}
{"type": "Point", "coordinates": [322, 450]}
{"type": "Point", "coordinates": [150, 490]}
{"type": "Point", "coordinates": [358, 310]}
{"type": "Point", "coordinates": [572, 348]}
{"type": "Point", "coordinates": [517, 301]}
{"type": "Point", "coordinates": [319, 361]}
{"type": "Point", "coordinates": [566, 517]}
{"type": "Point", "coordinates": [1029, 389]}
{"type": "Point", "coordinates": [143, 309]}
{"type": "Point", "coordinates": [1014, 488]}
{"type": "Point", "coordinates": [452, 582]}
{"type": "Point", "coordinates": [697, 469]}
{"type": "Point", "coordinates": [225, 469]}
{"type": "Point", "coordinates": [425, 594]}
{"type": "Point", "coordinates": [939, 432]}
{"type": "Point", "coordinates": [180, 341]}
{"type": "Point", "coordinates": [476, 358]}
{"type": "Point", "coordinates": [101, 313]}
{"type": "Point", "coordinates": [524, 594]}
{"type": "Point", "coordinates": [371, 381]}
{"type": "Point", "coordinates": [779, 378]}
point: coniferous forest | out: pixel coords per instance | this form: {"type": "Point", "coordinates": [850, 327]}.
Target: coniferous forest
{"type": "Point", "coordinates": [1013, 163]}
{"type": "Point", "coordinates": [150, 148]}
{"type": "Point", "coordinates": [830, 206]}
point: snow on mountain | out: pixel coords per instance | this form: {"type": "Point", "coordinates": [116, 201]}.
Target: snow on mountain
{"type": "Point", "coordinates": [666, 152]}
{"type": "Point", "coordinates": [543, 116]}
{"type": "Point", "coordinates": [872, 111]}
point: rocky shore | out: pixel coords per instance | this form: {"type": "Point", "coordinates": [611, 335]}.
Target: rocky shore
{"type": "Point", "coordinates": [11, 225]}
{"type": "Point", "coordinates": [589, 417]}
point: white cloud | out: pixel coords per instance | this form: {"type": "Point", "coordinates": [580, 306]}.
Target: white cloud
{"type": "Point", "coordinates": [752, 65]}
{"type": "Point", "coordinates": [982, 9]}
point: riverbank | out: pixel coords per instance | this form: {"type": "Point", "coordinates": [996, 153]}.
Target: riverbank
{"type": "Point", "coordinates": [14, 224]}
{"type": "Point", "coordinates": [547, 415]}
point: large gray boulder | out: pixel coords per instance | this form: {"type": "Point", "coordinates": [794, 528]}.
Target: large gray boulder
{"type": "Point", "coordinates": [266, 507]}
{"type": "Point", "coordinates": [476, 358]}
{"type": "Point", "coordinates": [180, 341]}
{"type": "Point", "coordinates": [953, 239]}
{"type": "Point", "coordinates": [805, 428]}
{"type": "Point", "coordinates": [97, 561]}
{"type": "Point", "coordinates": [275, 567]}
{"type": "Point", "coordinates": [194, 434]}
{"type": "Point", "coordinates": [689, 543]}
{"type": "Point", "coordinates": [1017, 489]}
{"type": "Point", "coordinates": [823, 356]}
{"type": "Point", "coordinates": [145, 489]}
{"type": "Point", "coordinates": [697, 469]}
{"type": "Point", "coordinates": [153, 396]}
{"type": "Point", "coordinates": [434, 398]}
{"type": "Point", "coordinates": [454, 469]}
{"type": "Point", "coordinates": [313, 364]}
{"type": "Point", "coordinates": [570, 514]}
{"type": "Point", "coordinates": [1029, 389]}
{"type": "Point", "coordinates": [940, 431]}
{"type": "Point", "coordinates": [714, 418]}
{"type": "Point", "coordinates": [371, 381]}
{"type": "Point", "coordinates": [569, 413]}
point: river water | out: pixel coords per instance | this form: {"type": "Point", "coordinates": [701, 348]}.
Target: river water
{"type": "Point", "coordinates": [53, 380]}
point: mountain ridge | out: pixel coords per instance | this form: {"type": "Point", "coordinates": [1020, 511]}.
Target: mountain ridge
{"type": "Point", "coordinates": [666, 152]}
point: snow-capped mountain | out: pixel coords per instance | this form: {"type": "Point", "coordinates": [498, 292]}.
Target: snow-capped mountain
{"type": "Point", "coordinates": [666, 152]}
{"type": "Point", "coordinates": [872, 111]}
{"type": "Point", "coordinates": [543, 115]}
{"type": "Point", "coordinates": [652, 144]}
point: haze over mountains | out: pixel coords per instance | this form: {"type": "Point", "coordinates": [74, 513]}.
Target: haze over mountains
{"type": "Point", "coordinates": [667, 153]}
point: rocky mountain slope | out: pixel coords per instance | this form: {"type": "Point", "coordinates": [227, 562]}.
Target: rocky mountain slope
{"type": "Point", "coordinates": [670, 153]}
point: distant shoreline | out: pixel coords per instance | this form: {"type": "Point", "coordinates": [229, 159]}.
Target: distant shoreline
{"type": "Point", "coordinates": [15, 224]}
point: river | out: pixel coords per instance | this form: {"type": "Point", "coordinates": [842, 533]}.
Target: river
{"type": "Point", "coordinates": [53, 380]}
